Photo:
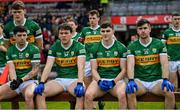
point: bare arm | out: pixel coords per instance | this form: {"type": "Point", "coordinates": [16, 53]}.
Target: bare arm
{"type": "Point", "coordinates": [34, 72]}
{"type": "Point", "coordinates": [12, 72]}
{"type": "Point", "coordinates": [95, 74]}
{"type": "Point", "coordinates": [47, 69]}
{"type": "Point", "coordinates": [164, 65]}
{"type": "Point", "coordinates": [39, 43]}
{"type": "Point", "coordinates": [130, 66]}
{"type": "Point", "coordinates": [81, 64]}
{"type": "Point", "coordinates": [3, 49]}
{"type": "Point", "coordinates": [123, 70]}
{"type": "Point", "coordinates": [7, 43]}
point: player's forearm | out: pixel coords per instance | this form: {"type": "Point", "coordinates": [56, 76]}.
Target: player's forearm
{"type": "Point", "coordinates": [39, 43]}
{"type": "Point", "coordinates": [3, 49]}
{"type": "Point", "coordinates": [120, 75]}
{"type": "Point", "coordinates": [130, 67]}
{"type": "Point", "coordinates": [31, 74]}
{"type": "Point", "coordinates": [164, 66]}
{"type": "Point", "coordinates": [12, 72]}
{"type": "Point", "coordinates": [45, 73]}
{"type": "Point", "coordinates": [95, 75]}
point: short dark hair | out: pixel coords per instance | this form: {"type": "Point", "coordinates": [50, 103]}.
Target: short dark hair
{"type": "Point", "coordinates": [106, 25]}
{"type": "Point", "coordinates": [94, 12]}
{"type": "Point", "coordinates": [19, 29]}
{"type": "Point", "coordinates": [175, 14]}
{"type": "Point", "coordinates": [142, 22]}
{"type": "Point", "coordinates": [18, 5]}
{"type": "Point", "coordinates": [65, 26]}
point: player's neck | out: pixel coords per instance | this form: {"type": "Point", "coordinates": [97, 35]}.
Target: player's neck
{"type": "Point", "coordinates": [20, 46]}
{"type": "Point", "coordinates": [108, 42]}
{"type": "Point", "coordinates": [145, 41]}
{"type": "Point", "coordinates": [176, 27]}
{"type": "Point", "coordinates": [20, 23]}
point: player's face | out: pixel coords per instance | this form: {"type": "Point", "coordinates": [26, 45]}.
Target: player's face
{"type": "Point", "coordinates": [107, 33]}
{"type": "Point", "coordinates": [65, 36]}
{"type": "Point", "coordinates": [176, 21]}
{"type": "Point", "coordinates": [144, 31]}
{"type": "Point", "coordinates": [18, 15]}
{"type": "Point", "coordinates": [93, 20]}
{"type": "Point", "coordinates": [21, 38]}
{"type": "Point", "coordinates": [73, 25]}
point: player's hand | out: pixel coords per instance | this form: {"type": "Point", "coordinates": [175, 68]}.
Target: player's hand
{"type": "Point", "coordinates": [79, 90]}
{"type": "Point", "coordinates": [39, 89]}
{"type": "Point", "coordinates": [15, 83]}
{"type": "Point", "coordinates": [103, 84]}
{"type": "Point", "coordinates": [130, 86]}
{"type": "Point", "coordinates": [166, 83]}
{"type": "Point", "coordinates": [111, 84]}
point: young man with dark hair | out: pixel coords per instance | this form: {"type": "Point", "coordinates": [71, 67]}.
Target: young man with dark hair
{"type": "Point", "coordinates": [147, 68]}
{"type": "Point", "coordinates": [18, 12]}
{"type": "Point", "coordinates": [23, 60]}
{"type": "Point", "coordinates": [69, 57]}
{"type": "Point", "coordinates": [108, 62]}
{"type": "Point", "coordinates": [171, 36]}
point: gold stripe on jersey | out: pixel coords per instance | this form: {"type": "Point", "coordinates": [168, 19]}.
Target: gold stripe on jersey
{"type": "Point", "coordinates": [65, 62]}
{"type": "Point", "coordinates": [92, 38]}
{"type": "Point", "coordinates": [108, 62]}
{"type": "Point", "coordinates": [147, 60]}
{"type": "Point", "coordinates": [30, 39]}
{"type": "Point", "coordinates": [173, 40]}
{"type": "Point", "coordinates": [22, 64]}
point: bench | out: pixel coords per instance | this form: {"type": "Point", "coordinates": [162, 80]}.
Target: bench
{"type": "Point", "coordinates": [67, 97]}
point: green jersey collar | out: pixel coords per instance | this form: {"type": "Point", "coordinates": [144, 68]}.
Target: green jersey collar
{"type": "Point", "coordinates": [66, 48]}
{"type": "Point", "coordinates": [107, 47]}
{"type": "Point", "coordinates": [95, 27]}
{"type": "Point", "coordinates": [22, 48]}
{"type": "Point", "coordinates": [22, 24]}
{"type": "Point", "coordinates": [176, 30]}
{"type": "Point", "coordinates": [145, 45]}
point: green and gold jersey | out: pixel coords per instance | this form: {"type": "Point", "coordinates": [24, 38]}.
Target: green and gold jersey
{"type": "Point", "coordinates": [76, 37]}
{"type": "Point", "coordinates": [22, 58]}
{"type": "Point", "coordinates": [33, 31]}
{"type": "Point", "coordinates": [2, 54]}
{"type": "Point", "coordinates": [147, 59]}
{"type": "Point", "coordinates": [108, 58]}
{"type": "Point", "coordinates": [172, 38]}
{"type": "Point", "coordinates": [66, 58]}
{"type": "Point", "coordinates": [91, 36]}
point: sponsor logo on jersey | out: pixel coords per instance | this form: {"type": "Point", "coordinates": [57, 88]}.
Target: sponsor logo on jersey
{"type": "Point", "coordinates": [147, 60]}
{"type": "Point", "coordinates": [92, 38]}
{"type": "Point", "coordinates": [66, 62]}
{"type": "Point", "coordinates": [138, 52]}
{"type": "Point", "coordinates": [99, 53]}
{"type": "Point", "coordinates": [58, 53]}
{"type": "Point", "coordinates": [26, 55]}
{"type": "Point", "coordinates": [115, 53]}
{"type": "Point", "coordinates": [108, 62]}
{"type": "Point", "coordinates": [14, 55]}
{"type": "Point", "coordinates": [22, 64]}
{"type": "Point", "coordinates": [173, 40]}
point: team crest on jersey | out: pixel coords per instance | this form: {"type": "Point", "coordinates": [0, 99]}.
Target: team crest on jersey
{"type": "Point", "coordinates": [94, 32]}
{"type": "Point", "coordinates": [72, 53]}
{"type": "Point", "coordinates": [154, 50]}
{"type": "Point", "coordinates": [115, 53]}
{"type": "Point", "coordinates": [107, 53]}
{"type": "Point", "coordinates": [27, 55]}
{"type": "Point", "coordinates": [164, 49]}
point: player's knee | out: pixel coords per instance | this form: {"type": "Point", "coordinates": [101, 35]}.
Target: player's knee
{"type": "Point", "coordinates": [88, 96]}
{"type": "Point", "coordinates": [122, 96]}
{"type": "Point", "coordinates": [29, 96]}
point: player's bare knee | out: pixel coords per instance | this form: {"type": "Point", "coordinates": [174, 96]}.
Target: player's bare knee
{"type": "Point", "coordinates": [88, 96]}
{"type": "Point", "coordinates": [29, 96]}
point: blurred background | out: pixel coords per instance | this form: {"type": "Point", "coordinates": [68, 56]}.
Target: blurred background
{"type": "Point", "coordinates": [123, 14]}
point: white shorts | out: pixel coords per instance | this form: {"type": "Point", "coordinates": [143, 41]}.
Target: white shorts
{"type": "Point", "coordinates": [174, 66]}
{"type": "Point", "coordinates": [149, 85]}
{"type": "Point", "coordinates": [88, 69]}
{"type": "Point", "coordinates": [24, 85]}
{"type": "Point", "coordinates": [65, 82]}
{"type": "Point", "coordinates": [1, 70]}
